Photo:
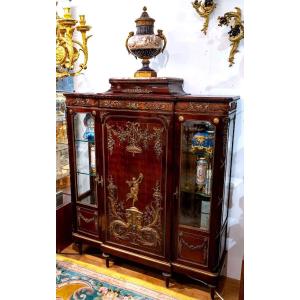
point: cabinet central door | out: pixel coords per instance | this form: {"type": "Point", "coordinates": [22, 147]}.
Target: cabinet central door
{"type": "Point", "coordinates": [135, 158]}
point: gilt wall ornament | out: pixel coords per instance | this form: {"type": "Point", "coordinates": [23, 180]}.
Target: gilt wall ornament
{"type": "Point", "coordinates": [135, 136]}
{"type": "Point", "coordinates": [204, 9]}
{"type": "Point", "coordinates": [236, 33]}
{"type": "Point", "coordinates": [131, 224]}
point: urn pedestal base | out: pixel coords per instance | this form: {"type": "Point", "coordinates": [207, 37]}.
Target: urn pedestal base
{"type": "Point", "coordinates": [145, 74]}
{"type": "Point", "coordinates": [145, 71]}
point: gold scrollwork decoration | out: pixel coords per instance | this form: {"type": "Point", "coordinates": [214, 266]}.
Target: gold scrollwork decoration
{"type": "Point", "coordinates": [131, 224]}
{"type": "Point", "coordinates": [204, 9]}
{"type": "Point", "coordinates": [236, 33]}
{"type": "Point", "coordinates": [66, 52]}
{"type": "Point", "coordinates": [135, 136]}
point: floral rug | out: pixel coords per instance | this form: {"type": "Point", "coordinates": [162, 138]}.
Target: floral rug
{"type": "Point", "coordinates": [76, 280]}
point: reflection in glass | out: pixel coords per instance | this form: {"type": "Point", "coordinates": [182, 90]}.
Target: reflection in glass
{"type": "Point", "coordinates": [84, 128]}
{"type": "Point", "coordinates": [227, 172]}
{"type": "Point", "coordinates": [62, 155]}
{"type": "Point", "coordinates": [197, 147]}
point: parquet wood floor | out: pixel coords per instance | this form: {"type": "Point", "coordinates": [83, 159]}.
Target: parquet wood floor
{"type": "Point", "coordinates": [228, 288]}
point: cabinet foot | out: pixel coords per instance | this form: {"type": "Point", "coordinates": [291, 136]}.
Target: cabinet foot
{"type": "Point", "coordinates": [167, 278]}
{"type": "Point", "coordinates": [212, 292]}
{"type": "Point", "coordinates": [78, 245]}
{"type": "Point", "coordinates": [106, 257]}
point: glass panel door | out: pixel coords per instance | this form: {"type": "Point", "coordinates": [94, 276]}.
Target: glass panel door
{"type": "Point", "coordinates": [84, 130]}
{"type": "Point", "coordinates": [196, 164]}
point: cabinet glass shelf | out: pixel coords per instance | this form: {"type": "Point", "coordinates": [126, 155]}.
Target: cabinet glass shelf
{"type": "Point", "coordinates": [84, 141]}
{"type": "Point", "coordinates": [85, 173]}
{"type": "Point", "coordinates": [207, 196]}
{"type": "Point", "coordinates": [88, 200]}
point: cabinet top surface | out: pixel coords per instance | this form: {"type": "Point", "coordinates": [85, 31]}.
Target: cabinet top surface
{"type": "Point", "coordinates": [161, 88]}
{"type": "Point", "coordinates": [209, 98]}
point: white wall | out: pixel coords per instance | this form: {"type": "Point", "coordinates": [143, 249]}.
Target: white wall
{"type": "Point", "coordinates": [202, 61]}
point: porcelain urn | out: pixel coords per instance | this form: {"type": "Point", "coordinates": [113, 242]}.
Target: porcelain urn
{"type": "Point", "coordinates": [145, 44]}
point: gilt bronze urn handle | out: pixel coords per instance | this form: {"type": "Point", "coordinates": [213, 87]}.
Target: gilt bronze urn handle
{"type": "Point", "coordinates": [145, 44]}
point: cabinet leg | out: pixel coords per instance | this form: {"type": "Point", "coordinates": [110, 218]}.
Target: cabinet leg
{"type": "Point", "coordinates": [212, 292]}
{"type": "Point", "coordinates": [106, 257]}
{"type": "Point", "coordinates": [79, 247]}
{"type": "Point", "coordinates": [167, 278]}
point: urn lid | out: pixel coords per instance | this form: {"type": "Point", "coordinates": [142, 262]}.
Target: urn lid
{"type": "Point", "coordinates": [144, 19]}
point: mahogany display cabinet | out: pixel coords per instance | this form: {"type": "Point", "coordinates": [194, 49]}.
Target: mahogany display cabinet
{"type": "Point", "coordinates": [150, 174]}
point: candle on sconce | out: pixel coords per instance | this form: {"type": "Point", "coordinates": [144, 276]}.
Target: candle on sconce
{"type": "Point", "coordinates": [82, 21]}
{"type": "Point", "coordinates": [67, 13]}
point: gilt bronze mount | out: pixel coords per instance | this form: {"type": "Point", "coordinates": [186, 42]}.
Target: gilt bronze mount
{"type": "Point", "coordinates": [236, 33]}
{"type": "Point", "coordinates": [67, 48]}
{"type": "Point", "coordinates": [145, 44]}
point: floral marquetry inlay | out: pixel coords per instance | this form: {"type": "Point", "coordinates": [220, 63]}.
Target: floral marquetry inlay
{"type": "Point", "coordinates": [82, 102]}
{"type": "Point", "coordinates": [136, 137]}
{"type": "Point", "coordinates": [137, 105]}
{"type": "Point", "coordinates": [202, 107]}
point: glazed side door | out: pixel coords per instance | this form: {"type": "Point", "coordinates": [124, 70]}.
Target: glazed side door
{"type": "Point", "coordinates": [136, 152]}
{"type": "Point", "coordinates": [85, 169]}
{"type": "Point", "coordinates": [198, 189]}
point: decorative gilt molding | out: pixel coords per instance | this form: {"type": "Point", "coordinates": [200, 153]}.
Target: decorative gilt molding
{"type": "Point", "coordinates": [201, 246]}
{"type": "Point", "coordinates": [102, 115]}
{"type": "Point", "coordinates": [136, 137]}
{"type": "Point", "coordinates": [131, 224]}
{"type": "Point", "coordinates": [136, 105]}
{"type": "Point", "coordinates": [110, 103]}
{"type": "Point", "coordinates": [82, 101]}
{"type": "Point", "coordinates": [202, 108]}
{"type": "Point", "coordinates": [87, 220]}
{"type": "Point", "coordinates": [137, 90]}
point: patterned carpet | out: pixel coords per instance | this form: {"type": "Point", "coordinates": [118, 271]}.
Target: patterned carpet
{"type": "Point", "coordinates": [77, 280]}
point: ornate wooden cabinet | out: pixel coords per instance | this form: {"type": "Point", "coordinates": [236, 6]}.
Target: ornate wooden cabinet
{"type": "Point", "coordinates": [150, 174]}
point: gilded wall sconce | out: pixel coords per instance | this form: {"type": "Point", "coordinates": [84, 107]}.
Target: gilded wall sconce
{"type": "Point", "coordinates": [66, 52]}
{"type": "Point", "coordinates": [204, 9]}
{"type": "Point", "coordinates": [236, 33]}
